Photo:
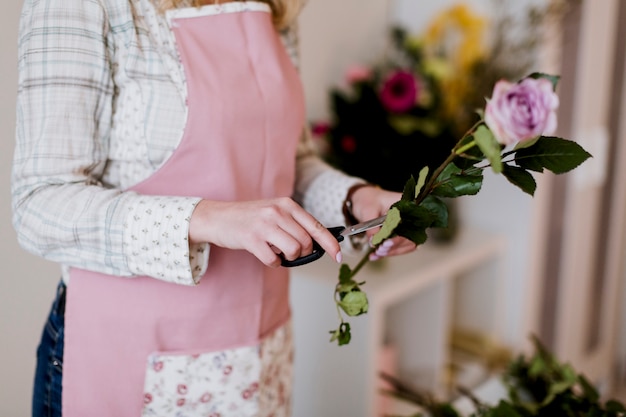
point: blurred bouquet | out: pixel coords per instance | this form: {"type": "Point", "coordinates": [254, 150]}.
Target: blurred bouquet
{"type": "Point", "coordinates": [408, 110]}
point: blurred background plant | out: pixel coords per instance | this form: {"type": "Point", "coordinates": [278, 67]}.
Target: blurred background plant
{"type": "Point", "coordinates": [536, 386]}
{"type": "Point", "coordinates": [408, 109]}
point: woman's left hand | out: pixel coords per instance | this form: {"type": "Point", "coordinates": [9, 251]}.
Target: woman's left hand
{"type": "Point", "coordinates": [371, 202]}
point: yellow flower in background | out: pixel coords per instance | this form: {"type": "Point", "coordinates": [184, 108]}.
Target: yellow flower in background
{"type": "Point", "coordinates": [458, 33]}
{"type": "Point", "coordinates": [456, 37]}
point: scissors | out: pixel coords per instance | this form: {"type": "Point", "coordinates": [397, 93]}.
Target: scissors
{"type": "Point", "coordinates": [340, 233]}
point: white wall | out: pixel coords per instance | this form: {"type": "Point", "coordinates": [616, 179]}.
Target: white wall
{"type": "Point", "coordinates": [26, 282]}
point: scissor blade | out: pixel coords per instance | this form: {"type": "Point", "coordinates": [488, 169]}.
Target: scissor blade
{"type": "Point", "coordinates": [361, 227]}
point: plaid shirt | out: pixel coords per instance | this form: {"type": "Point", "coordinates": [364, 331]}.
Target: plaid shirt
{"type": "Point", "coordinates": [101, 105]}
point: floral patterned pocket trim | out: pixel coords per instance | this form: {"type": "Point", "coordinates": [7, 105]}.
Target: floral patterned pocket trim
{"type": "Point", "coordinates": [206, 384]}
{"type": "Point", "coordinates": [220, 384]}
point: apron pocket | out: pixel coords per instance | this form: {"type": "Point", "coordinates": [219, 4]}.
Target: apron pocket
{"type": "Point", "coordinates": [213, 384]}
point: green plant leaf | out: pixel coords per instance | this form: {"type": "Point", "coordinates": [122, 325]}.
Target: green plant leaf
{"type": "Point", "coordinates": [354, 303]}
{"type": "Point", "coordinates": [347, 286]}
{"type": "Point", "coordinates": [416, 235]}
{"type": "Point", "coordinates": [438, 209]}
{"type": "Point", "coordinates": [469, 157]}
{"type": "Point", "coordinates": [615, 406]}
{"type": "Point", "coordinates": [490, 147]}
{"type": "Point", "coordinates": [554, 154]}
{"type": "Point", "coordinates": [421, 180]}
{"type": "Point", "coordinates": [452, 182]}
{"type": "Point", "coordinates": [537, 366]}
{"type": "Point", "coordinates": [504, 409]}
{"type": "Point", "coordinates": [342, 335]}
{"type": "Point", "coordinates": [391, 222]}
{"type": "Point", "coordinates": [345, 273]}
{"type": "Point", "coordinates": [520, 178]}
{"type": "Point", "coordinates": [446, 410]}
{"type": "Point", "coordinates": [415, 220]}
{"type": "Point", "coordinates": [406, 124]}
{"type": "Point", "coordinates": [554, 79]}
{"type": "Point", "coordinates": [409, 190]}
{"type": "Point", "coordinates": [589, 391]}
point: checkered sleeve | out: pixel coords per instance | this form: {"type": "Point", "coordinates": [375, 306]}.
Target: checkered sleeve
{"type": "Point", "coordinates": [61, 210]}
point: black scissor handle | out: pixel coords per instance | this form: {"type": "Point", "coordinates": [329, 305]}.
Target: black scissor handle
{"type": "Point", "coordinates": [317, 250]}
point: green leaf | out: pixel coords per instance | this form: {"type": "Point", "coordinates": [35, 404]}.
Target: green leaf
{"type": "Point", "coordinates": [471, 156]}
{"type": "Point", "coordinates": [615, 406]}
{"type": "Point", "coordinates": [537, 366]}
{"type": "Point", "coordinates": [526, 143]}
{"type": "Point", "coordinates": [409, 190]}
{"type": "Point", "coordinates": [453, 182]}
{"type": "Point", "coordinates": [347, 286]}
{"type": "Point", "coordinates": [490, 147]}
{"type": "Point", "coordinates": [560, 387]}
{"type": "Point", "coordinates": [446, 410]}
{"type": "Point", "coordinates": [342, 335]}
{"type": "Point", "coordinates": [590, 392]}
{"type": "Point", "coordinates": [554, 79]}
{"type": "Point", "coordinates": [438, 209]}
{"type": "Point", "coordinates": [414, 215]}
{"type": "Point", "coordinates": [554, 154]}
{"type": "Point", "coordinates": [391, 222]}
{"type": "Point", "coordinates": [504, 409]}
{"type": "Point", "coordinates": [421, 180]}
{"type": "Point", "coordinates": [354, 303]}
{"type": "Point", "coordinates": [345, 274]}
{"type": "Point", "coordinates": [406, 124]}
{"type": "Point", "coordinates": [416, 235]}
{"type": "Point", "coordinates": [415, 220]}
{"type": "Point", "coordinates": [520, 177]}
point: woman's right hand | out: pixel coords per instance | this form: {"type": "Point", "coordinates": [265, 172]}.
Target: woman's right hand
{"type": "Point", "coordinates": [265, 228]}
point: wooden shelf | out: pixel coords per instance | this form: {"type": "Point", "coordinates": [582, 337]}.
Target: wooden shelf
{"type": "Point", "coordinates": [414, 302]}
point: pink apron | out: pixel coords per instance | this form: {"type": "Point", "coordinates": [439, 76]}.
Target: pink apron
{"type": "Point", "coordinates": [246, 113]}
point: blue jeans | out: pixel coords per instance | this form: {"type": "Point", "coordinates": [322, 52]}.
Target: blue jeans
{"type": "Point", "coordinates": [48, 373]}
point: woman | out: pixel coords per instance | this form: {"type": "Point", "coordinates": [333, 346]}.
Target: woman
{"type": "Point", "coordinates": [157, 151]}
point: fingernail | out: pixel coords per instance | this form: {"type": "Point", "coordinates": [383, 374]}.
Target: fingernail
{"type": "Point", "coordinates": [374, 257]}
{"type": "Point", "coordinates": [387, 244]}
{"type": "Point", "coordinates": [339, 258]}
{"type": "Point", "coordinates": [381, 251]}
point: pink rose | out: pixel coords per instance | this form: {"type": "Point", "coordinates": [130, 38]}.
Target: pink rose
{"type": "Point", "coordinates": [399, 92]}
{"type": "Point", "coordinates": [522, 111]}
{"type": "Point", "coordinates": [358, 73]}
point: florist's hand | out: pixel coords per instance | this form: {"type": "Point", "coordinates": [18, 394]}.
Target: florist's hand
{"type": "Point", "coordinates": [371, 202]}
{"type": "Point", "coordinates": [265, 228]}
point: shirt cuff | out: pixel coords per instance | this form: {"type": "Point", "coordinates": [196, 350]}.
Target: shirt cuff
{"type": "Point", "coordinates": [156, 240]}
{"type": "Point", "coordinates": [325, 196]}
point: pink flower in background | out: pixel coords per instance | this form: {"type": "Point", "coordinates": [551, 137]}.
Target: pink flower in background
{"type": "Point", "coordinates": [358, 73]}
{"type": "Point", "coordinates": [522, 111]}
{"type": "Point", "coordinates": [399, 92]}
{"type": "Point", "coordinates": [320, 128]}
{"type": "Point", "coordinates": [348, 144]}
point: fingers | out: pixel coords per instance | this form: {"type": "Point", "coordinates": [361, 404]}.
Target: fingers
{"type": "Point", "coordinates": [266, 228]}
{"type": "Point", "coordinates": [320, 234]}
{"type": "Point", "coordinates": [393, 247]}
